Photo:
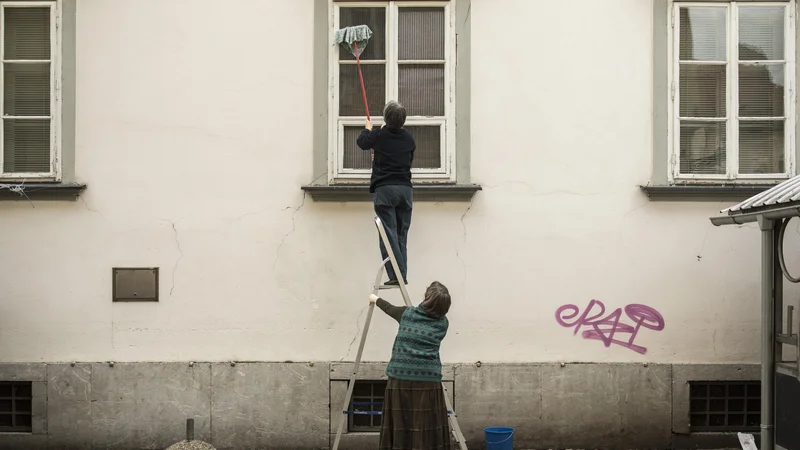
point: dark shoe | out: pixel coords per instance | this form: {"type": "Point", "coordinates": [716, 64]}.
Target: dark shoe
{"type": "Point", "coordinates": [394, 283]}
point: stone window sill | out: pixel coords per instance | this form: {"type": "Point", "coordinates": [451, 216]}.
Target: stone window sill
{"type": "Point", "coordinates": [40, 191]}
{"type": "Point", "coordinates": [704, 192]}
{"type": "Point", "coordinates": [422, 192]}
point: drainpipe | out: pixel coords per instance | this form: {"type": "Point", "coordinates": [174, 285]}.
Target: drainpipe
{"type": "Point", "coordinates": [767, 332]}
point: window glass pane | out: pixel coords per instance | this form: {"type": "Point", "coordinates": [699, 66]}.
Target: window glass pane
{"type": "Point", "coordinates": [761, 90]}
{"type": "Point", "coordinates": [736, 405]}
{"type": "Point", "coordinates": [375, 19]}
{"type": "Point", "coordinates": [421, 33]}
{"type": "Point", "coordinates": [23, 421]}
{"type": "Point", "coordinates": [703, 90]}
{"type": "Point", "coordinates": [703, 148]}
{"type": "Point", "coordinates": [703, 33]}
{"type": "Point", "coordinates": [761, 33]}
{"type": "Point", "coordinates": [26, 89]}
{"type": "Point", "coordinates": [355, 158]}
{"type": "Point", "coordinates": [361, 420]}
{"type": "Point", "coordinates": [23, 389]}
{"type": "Point", "coordinates": [26, 145]}
{"type": "Point", "coordinates": [351, 100]}
{"type": "Point", "coordinates": [761, 147]}
{"type": "Point", "coordinates": [362, 389]}
{"type": "Point", "coordinates": [736, 390]}
{"type": "Point", "coordinates": [429, 146]}
{"type": "Point", "coordinates": [27, 33]}
{"type": "Point", "coordinates": [23, 406]}
{"type": "Point", "coordinates": [421, 89]}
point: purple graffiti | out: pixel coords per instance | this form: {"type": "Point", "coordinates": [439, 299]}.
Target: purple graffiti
{"type": "Point", "coordinates": [606, 328]}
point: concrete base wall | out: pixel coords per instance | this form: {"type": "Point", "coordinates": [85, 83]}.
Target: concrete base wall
{"type": "Point", "coordinates": [296, 405]}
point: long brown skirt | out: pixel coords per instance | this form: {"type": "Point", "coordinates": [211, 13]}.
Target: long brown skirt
{"type": "Point", "coordinates": [414, 417]}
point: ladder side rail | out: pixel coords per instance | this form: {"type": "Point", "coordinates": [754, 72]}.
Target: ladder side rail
{"type": "Point", "coordinates": [390, 252]}
{"type": "Point", "coordinates": [357, 362]}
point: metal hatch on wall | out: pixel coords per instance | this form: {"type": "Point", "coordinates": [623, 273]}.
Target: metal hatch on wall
{"type": "Point", "coordinates": [780, 345]}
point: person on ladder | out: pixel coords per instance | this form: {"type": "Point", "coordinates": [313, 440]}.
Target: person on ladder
{"type": "Point", "coordinates": [390, 184]}
{"type": "Point", "coordinates": [414, 414]}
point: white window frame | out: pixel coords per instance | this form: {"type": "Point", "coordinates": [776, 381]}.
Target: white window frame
{"type": "Point", "coordinates": [55, 90]}
{"type": "Point", "coordinates": [732, 120]}
{"type": "Point", "coordinates": [446, 173]}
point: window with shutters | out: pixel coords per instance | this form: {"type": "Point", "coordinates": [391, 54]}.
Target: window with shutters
{"type": "Point", "coordinates": [30, 102]}
{"type": "Point", "coordinates": [732, 91]}
{"type": "Point", "coordinates": [410, 58]}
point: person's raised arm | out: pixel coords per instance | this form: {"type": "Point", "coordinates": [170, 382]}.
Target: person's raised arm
{"type": "Point", "coordinates": [368, 137]}
{"type": "Point", "coordinates": [395, 312]}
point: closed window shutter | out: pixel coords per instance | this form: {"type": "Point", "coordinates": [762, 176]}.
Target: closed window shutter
{"type": "Point", "coordinates": [732, 96]}
{"type": "Point", "coordinates": [762, 71]}
{"type": "Point", "coordinates": [27, 90]}
{"type": "Point", "coordinates": [703, 90]}
{"type": "Point", "coordinates": [421, 77]}
{"type": "Point", "coordinates": [373, 67]}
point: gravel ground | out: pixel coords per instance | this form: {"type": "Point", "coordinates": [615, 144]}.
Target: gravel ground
{"type": "Point", "coordinates": [193, 445]}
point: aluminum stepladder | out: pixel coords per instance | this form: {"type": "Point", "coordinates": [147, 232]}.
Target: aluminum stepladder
{"type": "Point", "coordinates": [452, 418]}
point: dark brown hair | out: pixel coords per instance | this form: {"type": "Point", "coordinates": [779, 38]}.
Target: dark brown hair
{"type": "Point", "coordinates": [437, 300]}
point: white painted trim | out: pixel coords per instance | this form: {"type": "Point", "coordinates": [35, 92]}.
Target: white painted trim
{"type": "Point", "coordinates": [732, 46]}
{"type": "Point", "coordinates": [675, 123]}
{"type": "Point", "coordinates": [333, 97]}
{"type": "Point", "coordinates": [364, 62]}
{"type": "Point", "coordinates": [358, 174]}
{"type": "Point", "coordinates": [790, 88]}
{"type": "Point", "coordinates": [732, 128]}
{"type": "Point", "coordinates": [55, 89]}
{"type": "Point", "coordinates": [336, 171]}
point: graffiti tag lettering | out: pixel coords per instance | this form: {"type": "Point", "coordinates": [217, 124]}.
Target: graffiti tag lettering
{"type": "Point", "coordinates": [607, 328]}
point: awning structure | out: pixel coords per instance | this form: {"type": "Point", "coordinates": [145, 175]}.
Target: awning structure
{"type": "Point", "coordinates": [779, 202]}
{"type": "Point", "coordinates": [780, 379]}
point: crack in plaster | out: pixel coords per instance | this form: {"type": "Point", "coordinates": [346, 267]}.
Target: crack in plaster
{"type": "Point", "coordinates": [464, 240]}
{"type": "Point", "coordinates": [177, 261]}
{"type": "Point", "coordinates": [643, 205]}
{"type": "Point", "coordinates": [358, 331]}
{"type": "Point", "coordinates": [294, 227]}
{"type": "Point", "coordinates": [545, 193]}
{"type": "Point", "coordinates": [90, 209]}
{"type": "Point", "coordinates": [703, 245]}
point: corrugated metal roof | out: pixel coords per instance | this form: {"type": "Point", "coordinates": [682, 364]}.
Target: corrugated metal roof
{"type": "Point", "coordinates": [783, 194]}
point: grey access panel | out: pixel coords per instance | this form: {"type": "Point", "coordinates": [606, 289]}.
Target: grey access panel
{"type": "Point", "coordinates": [787, 412]}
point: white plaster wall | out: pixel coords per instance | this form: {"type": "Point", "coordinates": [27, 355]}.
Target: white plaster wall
{"type": "Point", "coordinates": [194, 138]}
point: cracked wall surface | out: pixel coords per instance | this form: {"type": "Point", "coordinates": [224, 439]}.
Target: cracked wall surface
{"type": "Point", "coordinates": [197, 170]}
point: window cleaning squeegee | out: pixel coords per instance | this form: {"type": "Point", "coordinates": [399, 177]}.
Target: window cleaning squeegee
{"type": "Point", "coordinates": [354, 39]}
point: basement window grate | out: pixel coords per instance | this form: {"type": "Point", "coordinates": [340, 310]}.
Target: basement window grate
{"type": "Point", "coordinates": [15, 406]}
{"type": "Point", "coordinates": [366, 406]}
{"type": "Point", "coordinates": [725, 406]}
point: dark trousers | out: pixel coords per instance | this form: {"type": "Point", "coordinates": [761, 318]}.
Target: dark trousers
{"type": "Point", "coordinates": [393, 204]}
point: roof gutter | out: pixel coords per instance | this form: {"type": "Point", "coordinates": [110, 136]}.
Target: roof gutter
{"type": "Point", "coordinates": [740, 219]}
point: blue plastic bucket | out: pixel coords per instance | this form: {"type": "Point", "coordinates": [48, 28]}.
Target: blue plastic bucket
{"type": "Point", "coordinates": [499, 438]}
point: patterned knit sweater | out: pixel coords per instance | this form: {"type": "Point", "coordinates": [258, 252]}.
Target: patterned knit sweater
{"type": "Point", "coordinates": [415, 355]}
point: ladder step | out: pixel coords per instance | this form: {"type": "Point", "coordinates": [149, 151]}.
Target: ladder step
{"type": "Point", "coordinates": [363, 413]}
{"type": "Point", "coordinates": [384, 287]}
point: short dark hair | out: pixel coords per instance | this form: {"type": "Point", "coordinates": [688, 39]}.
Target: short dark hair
{"type": "Point", "coordinates": [394, 115]}
{"type": "Point", "coordinates": [437, 300]}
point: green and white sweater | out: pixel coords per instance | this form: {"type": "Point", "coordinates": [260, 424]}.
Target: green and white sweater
{"type": "Point", "coordinates": [415, 355]}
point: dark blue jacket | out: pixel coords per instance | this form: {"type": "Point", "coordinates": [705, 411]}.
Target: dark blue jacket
{"type": "Point", "coordinates": [394, 154]}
